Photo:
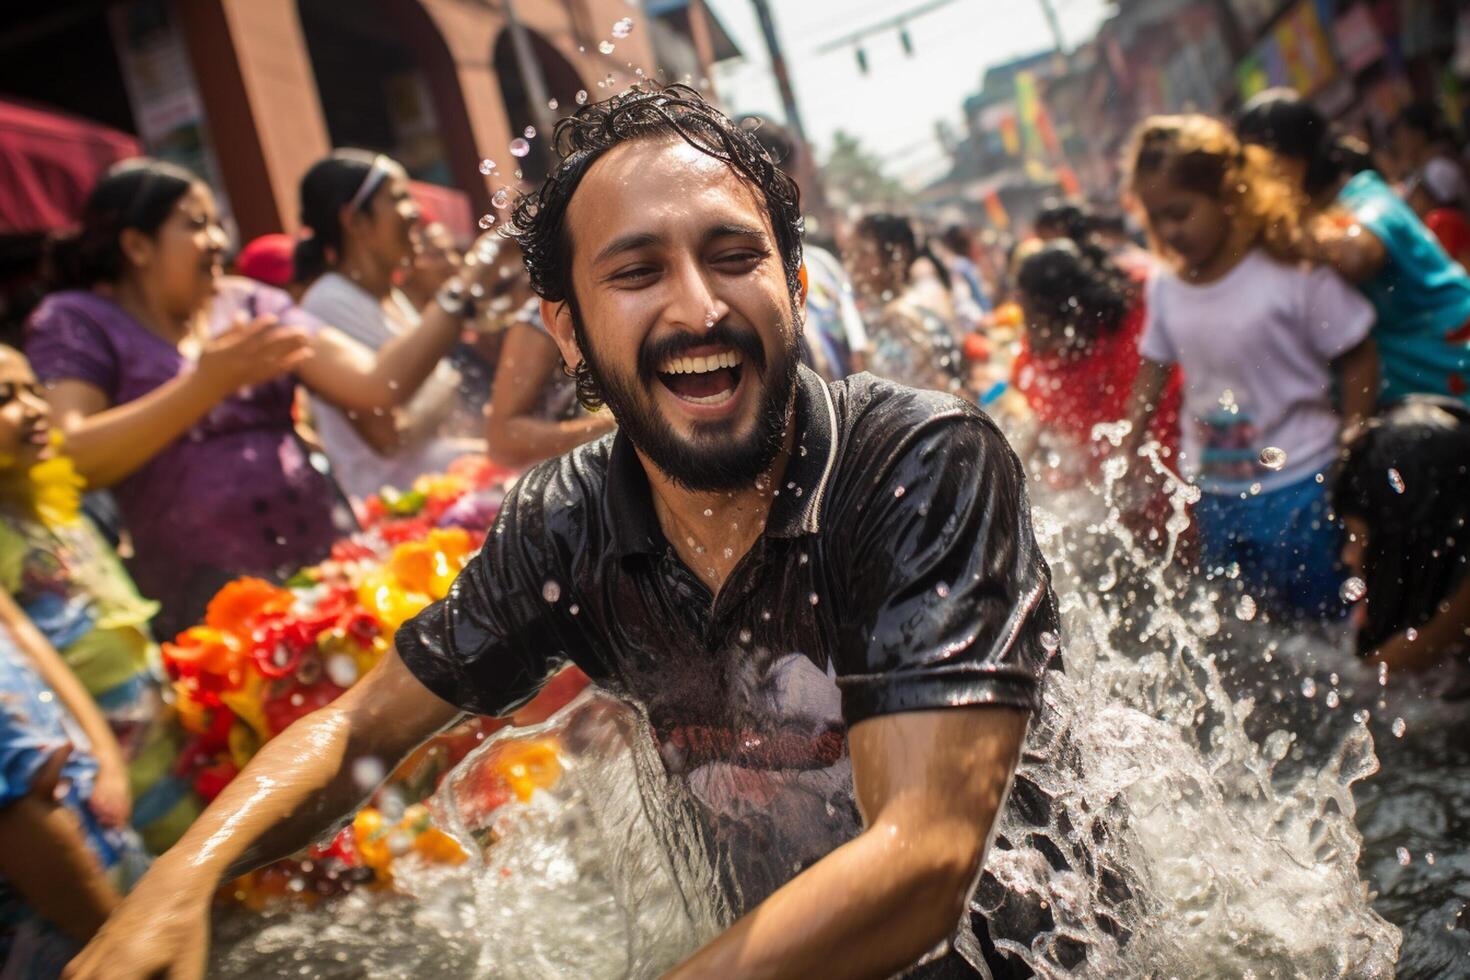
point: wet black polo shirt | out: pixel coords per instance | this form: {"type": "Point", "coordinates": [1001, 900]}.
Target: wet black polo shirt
{"type": "Point", "coordinates": [897, 572]}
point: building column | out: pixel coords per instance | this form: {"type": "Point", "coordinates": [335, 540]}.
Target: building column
{"type": "Point", "coordinates": [469, 34]}
{"type": "Point", "coordinates": [260, 98]}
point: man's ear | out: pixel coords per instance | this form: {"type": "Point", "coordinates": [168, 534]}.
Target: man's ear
{"type": "Point", "coordinates": [558, 320]}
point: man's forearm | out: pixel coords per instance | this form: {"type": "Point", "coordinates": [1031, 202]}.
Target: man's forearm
{"type": "Point", "coordinates": [868, 909]}
{"type": "Point", "coordinates": [285, 798]}
{"type": "Point", "coordinates": [931, 784]}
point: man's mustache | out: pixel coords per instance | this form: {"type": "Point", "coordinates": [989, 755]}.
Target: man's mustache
{"type": "Point", "coordinates": [726, 334]}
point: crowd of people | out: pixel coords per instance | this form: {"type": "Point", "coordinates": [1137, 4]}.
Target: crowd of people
{"type": "Point", "coordinates": [1290, 334]}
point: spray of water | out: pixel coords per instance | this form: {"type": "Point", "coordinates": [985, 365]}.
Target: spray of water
{"type": "Point", "coordinates": [1148, 833]}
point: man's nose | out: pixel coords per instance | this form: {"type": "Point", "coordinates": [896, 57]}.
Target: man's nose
{"type": "Point", "coordinates": [694, 302]}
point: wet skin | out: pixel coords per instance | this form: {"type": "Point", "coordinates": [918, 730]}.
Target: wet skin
{"type": "Point", "coordinates": [662, 236]}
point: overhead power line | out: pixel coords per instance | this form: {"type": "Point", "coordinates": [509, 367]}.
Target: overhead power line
{"type": "Point", "coordinates": [898, 20]}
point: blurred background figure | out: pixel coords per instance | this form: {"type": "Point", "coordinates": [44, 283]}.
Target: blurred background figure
{"type": "Point", "coordinates": [534, 413]}
{"type": "Point", "coordinates": [1079, 357]}
{"type": "Point", "coordinates": [905, 304]}
{"type": "Point", "coordinates": [362, 224]}
{"type": "Point", "coordinates": [834, 340]}
{"type": "Point", "coordinates": [1354, 222]}
{"type": "Point", "coordinates": [1406, 531]}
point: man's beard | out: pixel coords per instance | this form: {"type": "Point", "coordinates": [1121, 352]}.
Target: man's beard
{"type": "Point", "coordinates": [711, 459]}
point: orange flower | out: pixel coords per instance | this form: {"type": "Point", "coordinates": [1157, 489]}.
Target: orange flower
{"type": "Point", "coordinates": [243, 600]}
{"type": "Point", "coordinates": [207, 650]}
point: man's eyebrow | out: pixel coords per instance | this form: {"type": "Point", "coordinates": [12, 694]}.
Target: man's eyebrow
{"type": "Point", "coordinates": [627, 243]}
{"type": "Point", "coordinates": [733, 230]}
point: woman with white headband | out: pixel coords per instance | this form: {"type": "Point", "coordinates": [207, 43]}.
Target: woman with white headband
{"type": "Point", "coordinates": [174, 385]}
{"type": "Point", "coordinates": [360, 220]}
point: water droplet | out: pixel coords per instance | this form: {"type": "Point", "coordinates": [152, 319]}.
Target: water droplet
{"type": "Point", "coordinates": [574, 609]}
{"type": "Point", "coordinates": [368, 771]}
{"type": "Point", "coordinates": [1050, 641]}
{"type": "Point", "coordinates": [813, 599]}
{"type": "Point", "coordinates": [1353, 589]}
{"type": "Point", "coordinates": [1309, 687]}
{"type": "Point", "coordinates": [486, 220]}
{"type": "Point", "coordinates": [551, 591]}
{"type": "Point", "coordinates": [1273, 457]}
{"type": "Point", "coordinates": [728, 553]}
{"type": "Point", "coordinates": [898, 491]}
{"type": "Point", "coordinates": [744, 636]}
{"type": "Point", "coordinates": [1332, 699]}
{"type": "Point", "coordinates": [709, 512]}
{"type": "Point", "coordinates": [553, 105]}
{"type": "Point", "coordinates": [581, 96]}
{"type": "Point", "coordinates": [1245, 608]}
{"type": "Point", "coordinates": [529, 132]}
{"type": "Point", "coordinates": [1404, 857]}
{"type": "Point", "coordinates": [1411, 634]}
{"type": "Point", "coordinates": [487, 166]}
{"type": "Point", "coordinates": [607, 47]}
{"type": "Point", "coordinates": [1395, 480]}
{"type": "Point", "coordinates": [622, 28]}
{"type": "Point", "coordinates": [519, 147]}
{"type": "Point", "coordinates": [501, 198]}
{"type": "Point", "coordinates": [1398, 727]}
{"type": "Point", "coordinates": [710, 319]}
{"type": "Point", "coordinates": [803, 558]}
{"type": "Point", "coordinates": [1428, 857]}
{"type": "Point", "coordinates": [342, 670]}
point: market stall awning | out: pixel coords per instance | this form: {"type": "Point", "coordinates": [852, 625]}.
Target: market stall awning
{"type": "Point", "coordinates": [48, 164]}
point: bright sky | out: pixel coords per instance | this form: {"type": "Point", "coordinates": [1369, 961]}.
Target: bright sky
{"type": "Point", "coordinates": [892, 109]}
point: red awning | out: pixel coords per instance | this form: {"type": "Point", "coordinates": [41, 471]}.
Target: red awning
{"type": "Point", "coordinates": [48, 164]}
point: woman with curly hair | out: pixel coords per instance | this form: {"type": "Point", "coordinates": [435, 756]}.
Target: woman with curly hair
{"type": "Point", "coordinates": [1264, 341]}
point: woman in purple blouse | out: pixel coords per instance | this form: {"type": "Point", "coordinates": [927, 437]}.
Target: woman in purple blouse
{"type": "Point", "coordinates": [175, 386]}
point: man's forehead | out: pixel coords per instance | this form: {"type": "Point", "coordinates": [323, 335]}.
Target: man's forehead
{"type": "Point", "coordinates": [645, 182]}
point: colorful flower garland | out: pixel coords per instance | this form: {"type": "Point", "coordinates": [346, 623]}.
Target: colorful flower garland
{"type": "Point", "coordinates": [266, 655]}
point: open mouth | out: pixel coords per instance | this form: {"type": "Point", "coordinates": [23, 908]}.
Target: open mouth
{"type": "Point", "coordinates": [703, 379]}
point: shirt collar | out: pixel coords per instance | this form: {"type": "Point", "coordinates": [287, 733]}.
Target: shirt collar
{"type": "Point", "coordinates": [633, 526]}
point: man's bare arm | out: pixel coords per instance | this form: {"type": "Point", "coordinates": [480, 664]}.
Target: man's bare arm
{"type": "Point", "coordinates": [930, 784]}
{"type": "Point", "coordinates": [298, 785]}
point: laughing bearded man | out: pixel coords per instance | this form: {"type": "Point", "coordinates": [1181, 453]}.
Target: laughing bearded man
{"type": "Point", "coordinates": [825, 599]}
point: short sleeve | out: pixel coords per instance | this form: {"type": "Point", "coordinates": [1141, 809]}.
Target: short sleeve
{"type": "Point", "coordinates": [491, 643]}
{"type": "Point", "coordinates": [1337, 317]}
{"type": "Point", "coordinates": [1155, 343]}
{"type": "Point", "coordinates": [949, 598]}
{"type": "Point", "coordinates": [64, 342]}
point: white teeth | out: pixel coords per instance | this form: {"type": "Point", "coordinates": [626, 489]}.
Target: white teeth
{"type": "Point", "coordinates": [701, 365]}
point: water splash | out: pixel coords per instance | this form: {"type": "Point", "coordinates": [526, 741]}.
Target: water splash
{"type": "Point", "coordinates": [1149, 832]}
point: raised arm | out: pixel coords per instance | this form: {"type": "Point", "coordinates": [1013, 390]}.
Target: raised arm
{"type": "Point", "coordinates": [930, 784]}
{"type": "Point", "coordinates": [355, 378]}
{"type": "Point", "coordinates": [108, 442]}
{"type": "Point", "coordinates": [515, 436]}
{"type": "Point", "coordinates": [298, 786]}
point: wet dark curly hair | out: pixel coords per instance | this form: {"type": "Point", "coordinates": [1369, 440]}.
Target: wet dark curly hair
{"type": "Point", "coordinates": [645, 111]}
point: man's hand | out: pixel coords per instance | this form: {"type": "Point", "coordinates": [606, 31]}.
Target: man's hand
{"type": "Point", "coordinates": [930, 784]}
{"type": "Point", "coordinates": [161, 930]}
{"type": "Point", "coordinates": [296, 787]}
